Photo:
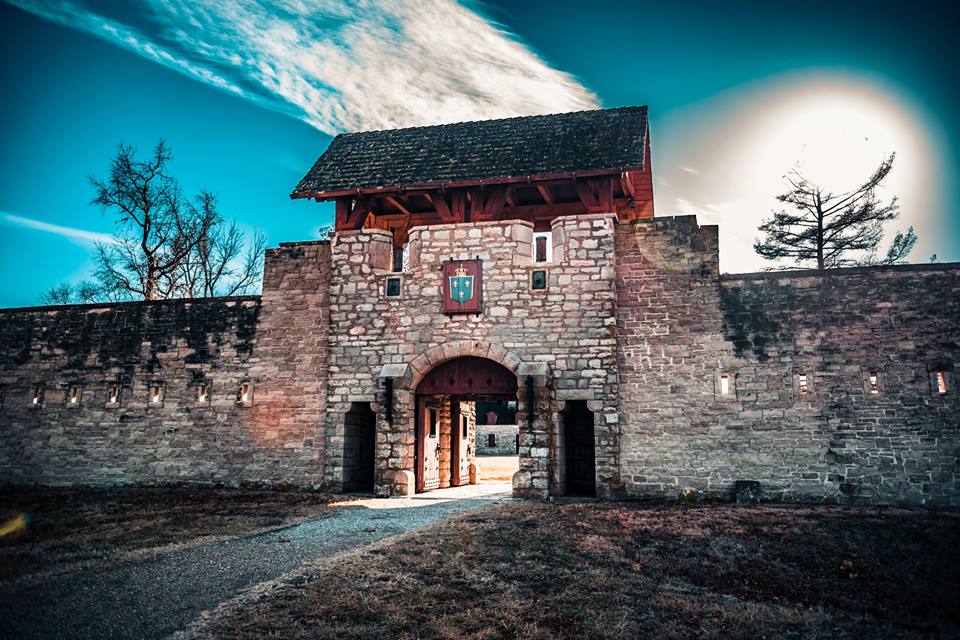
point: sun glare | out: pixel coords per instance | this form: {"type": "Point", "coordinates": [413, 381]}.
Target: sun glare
{"type": "Point", "coordinates": [836, 133]}
{"type": "Point", "coordinates": [834, 129]}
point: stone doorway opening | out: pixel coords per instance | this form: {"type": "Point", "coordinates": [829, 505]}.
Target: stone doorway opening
{"type": "Point", "coordinates": [577, 455]}
{"type": "Point", "coordinates": [445, 418]}
{"type": "Point", "coordinates": [497, 441]}
{"type": "Point", "coordinates": [359, 448]}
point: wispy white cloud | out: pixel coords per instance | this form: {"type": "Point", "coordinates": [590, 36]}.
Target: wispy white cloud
{"type": "Point", "coordinates": [340, 66]}
{"type": "Point", "coordinates": [82, 237]}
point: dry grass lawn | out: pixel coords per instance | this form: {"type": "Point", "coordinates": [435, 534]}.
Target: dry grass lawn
{"type": "Point", "coordinates": [608, 570]}
{"type": "Point", "coordinates": [67, 525]}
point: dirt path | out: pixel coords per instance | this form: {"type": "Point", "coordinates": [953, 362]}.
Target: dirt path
{"type": "Point", "coordinates": [159, 594]}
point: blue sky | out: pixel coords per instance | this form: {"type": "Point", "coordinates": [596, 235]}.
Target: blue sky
{"type": "Point", "coordinates": [249, 94]}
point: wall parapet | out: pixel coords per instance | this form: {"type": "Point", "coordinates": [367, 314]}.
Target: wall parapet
{"type": "Point", "coordinates": [52, 308]}
{"type": "Point", "coordinates": [842, 271]}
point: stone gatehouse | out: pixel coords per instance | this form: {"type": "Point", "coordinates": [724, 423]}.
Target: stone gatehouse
{"type": "Point", "coordinates": [505, 260]}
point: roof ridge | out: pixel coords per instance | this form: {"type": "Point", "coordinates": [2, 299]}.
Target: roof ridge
{"type": "Point", "coordinates": [640, 107]}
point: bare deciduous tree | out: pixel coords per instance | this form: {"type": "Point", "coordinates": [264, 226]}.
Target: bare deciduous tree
{"type": "Point", "coordinates": [833, 230]}
{"type": "Point", "coordinates": [66, 293]}
{"type": "Point", "coordinates": [218, 265]}
{"type": "Point", "coordinates": [155, 227]}
{"type": "Point", "coordinates": [164, 246]}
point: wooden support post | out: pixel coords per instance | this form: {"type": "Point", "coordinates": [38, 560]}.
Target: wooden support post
{"type": "Point", "coordinates": [359, 213]}
{"type": "Point", "coordinates": [342, 216]}
{"type": "Point", "coordinates": [458, 206]}
{"type": "Point", "coordinates": [496, 197]}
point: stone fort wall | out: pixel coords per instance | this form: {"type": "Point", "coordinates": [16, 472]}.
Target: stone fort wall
{"type": "Point", "coordinates": [636, 320]}
{"type": "Point", "coordinates": [682, 326]}
{"type": "Point", "coordinates": [274, 343]}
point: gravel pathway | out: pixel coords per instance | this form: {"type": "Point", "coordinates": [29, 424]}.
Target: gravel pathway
{"type": "Point", "coordinates": [155, 596]}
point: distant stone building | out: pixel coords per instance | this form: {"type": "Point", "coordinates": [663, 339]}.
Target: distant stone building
{"type": "Point", "coordinates": [498, 439]}
{"type": "Point", "coordinates": [514, 259]}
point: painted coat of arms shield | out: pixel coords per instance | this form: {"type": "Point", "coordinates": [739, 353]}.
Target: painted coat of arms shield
{"type": "Point", "coordinates": [461, 286]}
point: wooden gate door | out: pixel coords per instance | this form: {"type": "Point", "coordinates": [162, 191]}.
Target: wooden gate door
{"type": "Point", "coordinates": [430, 439]}
{"type": "Point", "coordinates": [459, 445]}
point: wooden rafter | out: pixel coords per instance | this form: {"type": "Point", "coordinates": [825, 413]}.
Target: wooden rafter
{"type": "Point", "coordinates": [442, 207]}
{"type": "Point", "coordinates": [596, 195]}
{"type": "Point", "coordinates": [546, 193]}
{"type": "Point", "coordinates": [626, 184]}
{"type": "Point", "coordinates": [400, 203]}
{"type": "Point", "coordinates": [587, 196]}
{"type": "Point", "coordinates": [358, 214]}
{"type": "Point", "coordinates": [496, 198]}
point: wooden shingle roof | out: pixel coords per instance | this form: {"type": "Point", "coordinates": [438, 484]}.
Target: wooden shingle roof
{"type": "Point", "coordinates": [482, 152]}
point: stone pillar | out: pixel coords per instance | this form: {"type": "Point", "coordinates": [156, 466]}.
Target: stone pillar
{"type": "Point", "coordinates": [533, 480]}
{"type": "Point", "coordinates": [394, 460]}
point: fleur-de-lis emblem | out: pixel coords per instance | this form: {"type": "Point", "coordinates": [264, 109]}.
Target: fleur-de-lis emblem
{"type": "Point", "coordinates": [461, 285]}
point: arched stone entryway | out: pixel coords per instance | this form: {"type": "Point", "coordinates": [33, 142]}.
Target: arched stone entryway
{"type": "Point", "coordinates": [445, 418]}
{"type": "Point", "coordinates": [399, 415]}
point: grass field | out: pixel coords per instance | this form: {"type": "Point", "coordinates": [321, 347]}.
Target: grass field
{"type": "Point", "coordinates": [74, 525]}
{"type": "Point", "coordinates": [614, 570]}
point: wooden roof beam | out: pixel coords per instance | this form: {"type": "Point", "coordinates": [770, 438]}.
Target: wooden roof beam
{"type": "Point", "coordinates": [358, 215]}
{"type": "Point", "coordinates": [546, 193]}
{"type": "Point", "coordinates": [399, 203]}
{"type": "Point", "coordinates": [493, 202]}
{"type": "Point", "coordinates": [596, 195]}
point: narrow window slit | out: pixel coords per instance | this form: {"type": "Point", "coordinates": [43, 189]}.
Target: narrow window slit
{"type": "Point", "coordinates": [398, 259]}
{"type": "Point", "coordinates": [542, 246]}
{"type": "Point", "coordinates": [243, 393]}
{"type": "Point", "coordinates": [942, 382]}
{"type": "Point", "coordinates": [874, 382]}
{"type": "Point", "coordinates": [804, 387]}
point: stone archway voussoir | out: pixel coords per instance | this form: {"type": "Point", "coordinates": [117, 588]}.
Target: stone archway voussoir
{"type": "Point", "coordinates": [426, 361]}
